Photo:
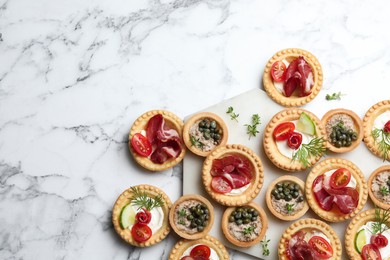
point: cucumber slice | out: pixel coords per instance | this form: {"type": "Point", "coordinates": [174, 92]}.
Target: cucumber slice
{"type": "Point", "coordinates": [360, 240]}
{"type": "Point", "coordinates": [127, 217]}
{"type": "Point", "coordinates": [306, 125]}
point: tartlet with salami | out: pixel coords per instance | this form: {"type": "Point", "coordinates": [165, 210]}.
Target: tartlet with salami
{"type": "Point", "coordinates": [294, 139]}
{"type": "Point", "coordinates": [293, 77]}
{"type": "Point", "coordinates": [311, 238]}
{"type": "Point", "coordinates": [204, 132]}
{"type": "Point", "coordinates": [244, 226]}
{"type": "Point", "coordinates": [232, 175]}
{"type": "Point", "coordinates": [155, 140]}
{"type": "Point", "coordinates": [344, 130]}
{"type": "Point", "coordinates": [191, 216]}
{"type": "Point", "coordinates": [336, 189]}
{"type": "Point", "coordinates": [285, 198]}
{"type": "Point", "coordinates": [367, 235]}
{"type": "Point", "coordinates": [376, 125]}
{"type": "Point", "coordinates": [379, 187]}
{"type": "Point", "coordinates": [140, 215]}
{"type": "Point", "coordinates": [207, 247]}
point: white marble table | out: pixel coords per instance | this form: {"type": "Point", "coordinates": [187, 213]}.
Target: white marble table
{"type": "Point", "coordinates": [74, 75]}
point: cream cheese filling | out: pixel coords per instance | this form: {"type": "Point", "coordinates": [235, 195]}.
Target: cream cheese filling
{"type": "Point", "coordinates": [385, 252]}
{"type": "Point", "coordinates": [156, 221]}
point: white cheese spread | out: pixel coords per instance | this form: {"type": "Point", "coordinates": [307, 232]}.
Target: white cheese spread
{"type": "Point", "coordinates": [238, 191]}
{"type": "Point", "coordinates": [156, 221]}
{"type": "Point", "coordinates": [352, 182]}
{"type": "Point", "coordinates": [385, 252]}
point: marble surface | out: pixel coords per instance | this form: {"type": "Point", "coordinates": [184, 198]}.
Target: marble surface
{"type": "Point", "coordinates": [74, 75]}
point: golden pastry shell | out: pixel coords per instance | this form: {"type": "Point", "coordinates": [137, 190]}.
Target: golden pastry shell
{"type": "Point", "coordinates": [368, 123]}
{"type": "Point", "coordinates": [310, 223]}
{"type": "Point", "coordinates": [334, 164]}
{"type": "Point", "coordinates": [271, 148]}
{"type": "Point", "coordinates": [172, 121]}
{"type": "Point", "coordinates": [192, 121]}
{"type": "Point", "coordinates": [124, 199]}
{"type": "Point", "coordinates": [289, 55]}
{"type": "Point", "coordinates": [377, 201]}
{"type": "Point", "coordinates": [180, 247]}
{"type": "Point", "coordinates": [268, 198]}
{"type": "Point", "coordinates": [231, 238]}
{"type": "Point", "coordinates": [357, 123]}
{"type": "Point", "coordinates": [202, 200]}
{"type": "Point", "coordinates": [256, 183]}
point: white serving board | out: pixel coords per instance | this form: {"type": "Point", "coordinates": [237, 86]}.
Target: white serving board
{"type": "Point", "coordinates": [252, 102]}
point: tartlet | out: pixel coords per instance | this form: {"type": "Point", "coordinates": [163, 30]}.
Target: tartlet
{"type": "Point", "coordinates": [313, 226]}
{"type": "Point", "coordinates": [380, 180]}
{"type": "Point", "coordinates": [184, 214]}
{"type": "Point", "coordinates": [271, 145]}
{"type": "Point", "coordinates": [197, 136]}
{"type": "Point", "coordinates": [183, 247]}
{"type": "Point", "coordinates": [321, 174]}
{"type": "Point", "coordinates": [337, 120]}
{"type": "Point", "coordinates": [125, 199]}
{"type": "Point", "coordinates": [248, 233]}
{"type": "Point", "coordinates": [171, 122]}
{"type": "Point", "coordinates": [249, 168]}
{"type": "Point", "coordinates": [295, 206]}
{"type": "Point", "coordinates": [294, 100]}
{"type": "Point", "coordinates": [375, 119]}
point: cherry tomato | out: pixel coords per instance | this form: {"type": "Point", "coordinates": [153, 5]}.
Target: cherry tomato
{"type": "Point", "coordinates": [143, 216]}
{"type": "Point", "coordinates": [141, 232]}
{"type": "Point", "coordinates": [278, 71]}
{"type": "Point", "coordinates": [294, 140]}
{"type": "Point", "coordinates": [187, 258]}
{"type": "Point", "coordinates": [200, 252]}
{"type": "Point", "coordinates": [141, 145]}
{"type": "Point", "coordinates": [371, 252]}
{"type": "Point", "coordinates": [379, 240]}
{"type": "Point", "coordinates": [221, 185]}
{"type": "Point", "coordinates": [387, 127]}
{"type": "Point", "coordinates": [322, 248]}
{"type": "Point", "coordinates": [340, 178]}
{"type": "Point", "coordinates": [283, 131]}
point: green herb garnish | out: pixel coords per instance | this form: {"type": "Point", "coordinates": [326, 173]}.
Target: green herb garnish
{"type": "Point", "coordinates": [142, 200]}
{"type": "Point", "coordinates": [248, 230]}
{"type": "Point", "coordinates": [264, 246]}
{"type": "Point", "coordinates": [181, 222]}
{"type": "Point", "coordinates": [233, 116]}
{"type": "Point", "coordinates": [313, 149]}
{"type": "Point", "coordinates": [251, 130]}
{"type": "Point", "coordinates": [381, 223]}
{"type": "Point", "coordinates": [334, 96]}
{"type": "Point", "coordinates": [195, 142]}
{"type": "Point", "coordinates": [384, 190]}
{"type": "Point", "coordinates": [383, 143]}
{"type": "Point", "coordinates": [182, 213]}
{"type": "Point", "coordinates": [290, 207]}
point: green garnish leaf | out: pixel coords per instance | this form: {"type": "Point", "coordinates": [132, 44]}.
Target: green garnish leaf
{"type": "Point", "coordinates": [181, 222]}
{"type": "Point", "coordinates": [290, 207]}
{"type": "Point", "coordinates": [248, 230]}
{"type": "Point", "coordinates": [382, 138]}
{"type": "Point", "coordinates": [264, 246]}
{"type": "Point", "coordinates": [142, 200]}
{"type": "Point", "coordinates": [381, 223]}
{"type": "Point", "coordinates": [334, 96]}
{"type": "Point", "coordinates": [314, 148]}
{"type": "Point", "coordinates": [182, 213]}
{"type": "Point", "coordinates": [384, 190]}
{"type": "Point", "coordinates": [233, 116]}
{"type": "Point", "coordinates": [195, 142]}
{"type": "Point", "coordinates": [251, 130]}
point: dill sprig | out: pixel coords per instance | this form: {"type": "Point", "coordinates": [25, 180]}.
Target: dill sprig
{"type": "Point", "coordinates": [142, 200]}
{"type": "Point", "coordinates": [382, 138]}
{"type": "Point", "coordinates": [334, 96]}
{"type": "Point", "coordinates": [251, 130]}
{"type": "Point", "coordinates": [313, 149]}
{"type": "Point", "coordinates": [195, 142]}
{"type": "Point", "coordinates": [233, 116]}
{"type": "Point", "coordinates": [264, 246]}
{"type": "Point", "coordinates": [381, 223]}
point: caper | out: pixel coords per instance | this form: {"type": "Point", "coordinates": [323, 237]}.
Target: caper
{"type": "Point", "coordinates": [285, 184]}
{"type": "Point", "coordinates": [280, 189]}
{"type": "Point", "coordinates": [198, 221]}
{"type": "Point", "coordinates": [213, 124]}
{"type": "Point", "coordinates": [217, 137]}
{"type": "Point", "coordinates": [279, 185]}
{"type": "Point", "coordinates": [255, 214]}
{"type": "Point", "coordinates": [205, 223]}
{"type": "Point", "coordinates": [238, 215]}
{"type": "Point", "coordinates": [333, 135]}
{"type": "Point", "coordinates": [388, 182]}
{"type": "Point", "coordinates": [254, 218]}
{"type": "Point", "coordinates": [206, 217]}
{"type": "Point", "coordinates": [212, 135]}
{"type": "Point", "coordinates": [246, 221]}
{"type": "Point", "coordinates": [291, 187]}
{"type": "Point", "coordinates": [207, 125]}
{"type": "Point", "coordinates": [240, 210]}
{"type": "Point", "coordinates": [244, 214]}
{"type": "Point", "coordinates": [201, 124]}
{"type": "Point", "coordinates": [288, 197]}
{"type": "Point", "coordinates": [286, 191]}
{"type": "Point", "coordinates": [206, 135]}
{"type": "Point", "coordinates": [249, 215]}
{"type": "Point", "coordinates": [193, 224]}
{"type": "Point", "coordinates": [348, 143]}
{"type": "Point", "coordinates": [278, 197]}
{"type": "Point", "coordinates": [338, 144]}
{"type": "Point", "coordinates": [206, 211]}
{"type": "Point", "coordinates": [295, 194]}
{"type": "Point", "coordinates": [300, 199]}
{"type": "Point", "coordinates": [296, 187]}
{"type": "Point", "coordinates": [274, 192]}
{"type": "Point", "coordinates": [354, 136]}
{"type": "Point", "coordinates": [239, 221]}
{"type": "Point", "coordinates": [231, 219]}
{"type": "Point", "coordinates": [282, 196]}
{"type": "Point", "coordinates": [190, 217]}
{"type": "Point", "coordinates": [200, 228]}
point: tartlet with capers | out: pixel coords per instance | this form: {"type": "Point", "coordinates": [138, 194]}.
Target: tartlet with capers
{"type": "Point", "coordinates": [204, 132]}
{"type": "Point", "coordinates": [191, 216]}
{"type": "Point", "coordinates": [379, 187]}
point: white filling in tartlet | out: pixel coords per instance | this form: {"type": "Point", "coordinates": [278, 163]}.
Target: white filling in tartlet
{"type": "Point", "coordinates": [213, 254]}
{"type": "Point", "coordinates": [156, 221]}
{"type": "Point", "coordinates": [380, 182]}
{"type": "Point", "coordinates": [385, 251]}
{"type": "Point", "coordinates": [352, 182]}
{"type": "Point", "coordinates": [381, 120]}
{"type": "Point", "coordinates": [238, 191]}
{"type": "Point", "coordinates": [207, 145]}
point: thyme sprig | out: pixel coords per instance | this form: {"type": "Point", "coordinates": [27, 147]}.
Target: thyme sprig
{"type": "Point", "coordinates": [334, 96]}
{"type": "Point", "coordinates": [251, 130]}
{"type": "Point", "coordinates": [382, 218]}
{"type": "Point", "coordinates": [290, 207]}
{"type": "Point", "coordinates": [248, 230]}
{"type": "Point", "coordinates": [264, 246]}
{"type": "Point", "coordinates": [233, 116]}
{"type": "Point", "coordinates": [382, 138]}
{"type": "Point", "coordinates": [384, 190]}
{"type": "Point", "coordinates": [182, 213]}
{"type": "Point", "coordinates": [314, 148]}
{"type": "Point", "coordinates": [195, 142]}
{"type": "Point", "coordinates": [142, 200]}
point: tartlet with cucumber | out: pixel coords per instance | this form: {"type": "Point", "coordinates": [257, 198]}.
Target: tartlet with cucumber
{"type": "Point", "coordinates": [140, 215]}
{"type": "Point", "coordinates": [294, 139]}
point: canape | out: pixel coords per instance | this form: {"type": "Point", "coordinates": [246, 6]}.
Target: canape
{"type": "Point", "coordinates": [379, 187]}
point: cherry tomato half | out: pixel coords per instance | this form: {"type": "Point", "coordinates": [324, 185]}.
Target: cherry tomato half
{"type": "Point", "coordinates": [278, 71]}
{"type": "Point", "coordinates": [340, 178]}
{"type": "Point", "coordinates": [387, 127]}
{"type": "Point", "coordinates": [283, 131]}
{"type": "Point", "coordinates": [379, 240]}
{"type": "Point", "coordinates": [187, 258]}
{"type": "Point", "coordinates": [141, 232]}
{"type": "Point", "coordinates": [294, 140]}
{"type": "Point", "coordinates": [220, 184]}
{"type": "Point", "coordinates": [371, 252]}
{"type": "Point", "coordinates": [141, 145]}
{"type": "Point", "coordinates": [200, 252]}
{"type": "Point", "coordinates": [322, 248]}
{"type": "Point", "coordinates": [143, 216]}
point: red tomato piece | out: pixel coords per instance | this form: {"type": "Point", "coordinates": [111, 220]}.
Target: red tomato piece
{"type": "Point", "coordinates": [283, 131]}
{"type": "Point", "coordinates": [294, 140]}
{"type": "Point", "coordinates": [141, 232]}
{"type": "Point", "coordinates": [379, 240]}
{"type": "Point", "coordinates": [322, 248]}
{"type": "Point", "coordinates": [141, 145]}
{"type": "Point", "coordinates": [371, 252]}
{"type": "Point", "coordinates": [143, 216]}
{"type": "Point", "coordinates": [387, 127]}
{"type": "Point", "coordinates": [278, 71]}
{"type": "Point", "coordinates": [187, 258]}
{"type": "Point", "coordinates": [340, 178]}
{"type": "Point", "coordinates": [221, 185]}
{"type": "Point", "coordinates": [200, 252]}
